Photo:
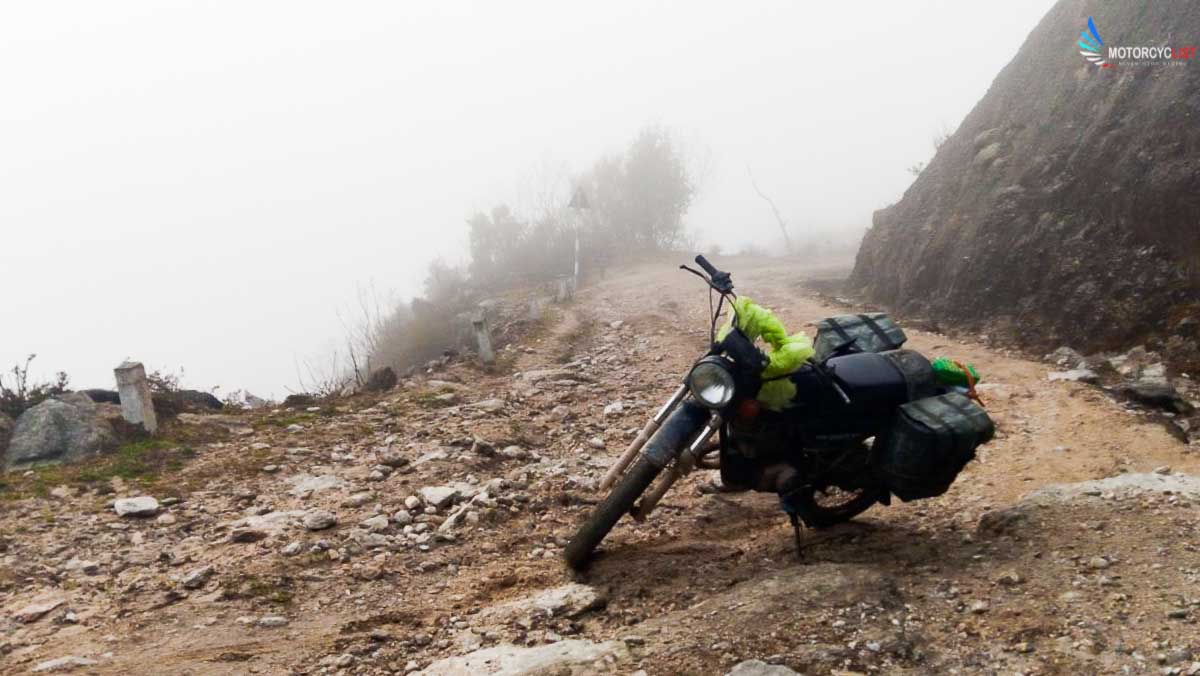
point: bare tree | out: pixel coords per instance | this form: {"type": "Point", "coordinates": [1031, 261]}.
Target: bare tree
{"type": "Point", "coordinates": [787, 240]}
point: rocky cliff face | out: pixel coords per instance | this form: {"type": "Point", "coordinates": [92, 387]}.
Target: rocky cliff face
{"type": "Point", "coordinates": [1066, 207]}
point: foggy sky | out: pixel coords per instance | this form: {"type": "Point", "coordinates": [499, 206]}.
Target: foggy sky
{"type": "Point", "coordinates": [205, 184]}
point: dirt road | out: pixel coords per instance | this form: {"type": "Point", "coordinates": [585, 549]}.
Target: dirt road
{"type": "Point", "coordinates": [498, 468]}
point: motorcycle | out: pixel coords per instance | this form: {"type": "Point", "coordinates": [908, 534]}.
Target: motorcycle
{"type": "Point", "coordinates": [867, 421]}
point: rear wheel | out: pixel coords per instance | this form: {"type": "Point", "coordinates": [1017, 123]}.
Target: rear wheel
{"type": "Point", "coordinates": [618, 503]}
{"type": "Point", "coordinates": [822, 508]}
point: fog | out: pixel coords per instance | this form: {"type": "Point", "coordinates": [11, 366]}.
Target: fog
{"type": "Point", "coordinates": [205, 185]}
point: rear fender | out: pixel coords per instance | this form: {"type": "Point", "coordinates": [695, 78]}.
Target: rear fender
{"type": "Point", "coordinates": [676, 433]}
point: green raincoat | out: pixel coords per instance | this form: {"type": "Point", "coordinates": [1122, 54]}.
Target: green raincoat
{"type": "Point", "coordinates": [785, 354]}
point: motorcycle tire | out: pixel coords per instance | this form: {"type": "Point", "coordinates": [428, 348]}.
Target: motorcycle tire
{"type": "Point", "coordinates": [636, 480]}
{"type": "Point", "coordinates": [816, 515]}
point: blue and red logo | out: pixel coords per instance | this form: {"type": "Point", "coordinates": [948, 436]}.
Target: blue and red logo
{"type": "Point", "coordinates": [1092, 48]}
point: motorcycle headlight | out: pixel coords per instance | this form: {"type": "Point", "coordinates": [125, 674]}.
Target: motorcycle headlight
{"type": "Point", "coordinates": [711, 383]}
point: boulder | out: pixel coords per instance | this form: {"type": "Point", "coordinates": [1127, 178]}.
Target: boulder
{"type": "Point", "coordinates": [759, 668]}
{"type": "Point", "coordinates": [141, 506]}
{"type": "Point", "coordinates": [304, 485]}
{"type": "Point", "coordinates": [439, 496]}
{"type": "Point", "coordinates": [1153, 390]}
{"type": "Point", "coordinates": [569, 600]}
{"type": "Point", "coordinates": [511, 660]}
{"type": "Point", "coordinates": [65, 428]}
{"type": "Point", "coordinates": [381, 380]}
{"type": "Point", "coordinates": [67, 663]}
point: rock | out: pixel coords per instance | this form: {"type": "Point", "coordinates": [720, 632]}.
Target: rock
{"type": "Point", "coordinates": [402, 517]}
{"type": "Point", "coordinates": [569, 600]}
{"type": "Point", "coordinates": [319, 519]}
{"type": "Point", "coordinates": [1164, 470]}
{"type": "Point", "coordinates": [1075, 375]}
{"type": "Point", "coordinates": [560, 413]}
{"type": "Point", "coordinates": [511, 660]}
{"type": "Point", "coordinates": [197, 578]}
{"type": "Point", "coordinates": [292, 549]}
{"type": "Point", "coordinates": [140, 506]}
{"type": "Point", "coordinates": [66, 428]}
{"type": "Point", "coordinates": [247, 534]}
{"type": "Point", "coordinates": [376, 523]}
{"type": "Point", "coordinates": [166, 519]}
{"type": "Point", "coordinates": [358, 499]}
{"type": "Point", "coordinates": [184, 401]}
{"type": "Point", "coordinates": [86, 566]}
{"type": "Point", "coordinates": [514, 453]}
{"type": "Point", "coordinates": [759, 668]}
{"type": "Point", "coordinates": [1009, 578]}
{"type": "Point", "coordinates": [596, 443]}
{"type": "Point", "coordinates": [614, 409]}
{"type": "Point", "coordinates": [252, 402]}
{"type": "Point", "coordinates": [1157, 392]}
{"type": "Point", "coordinates": [489, 405]}
{"type": "Point", "coordinates": [1065, 356]}
{"type": "Point", "coordinates": [987, 154]}
{"type": "Point", "coordinates": [299, 400]}
{"type": "Point", "coordinates": [36, 610]}
{"type": "Point", "coordinates": [66, 663]}
{"type": "Point", "coordinates": [305, 484]}
{"type": "Point", "coordinates": [537, 375]}
{"type": "Point", "coordinates": [272, 621]}
{"type": "Point", "coordinates": [439, 496]}
{"type": "Point", "coordinates": [381, 380]}
{"type": "Point", "coordinates": [1001, 521]}
{"type": "Point", "coordinates": [980, 607]}
{"type": "Point", "coordinates": [391, 458]}
{"type": "Point", "coordinates": [412, 502]}
{"type": "Point", "coordinates": [1183, 485]}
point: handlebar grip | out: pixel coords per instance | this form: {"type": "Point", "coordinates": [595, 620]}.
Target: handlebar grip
{"type": "Point", "coordinates": [708, 267]}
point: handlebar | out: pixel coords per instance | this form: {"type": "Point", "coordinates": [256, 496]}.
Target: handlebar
{"type": "Point", "coordinates": [721, 281]}
{"type": "Point", "coordinates": [706, 266]}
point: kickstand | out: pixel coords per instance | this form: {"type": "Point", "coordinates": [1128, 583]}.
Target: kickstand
{"type": "Point", "coordinates": [796, 530]}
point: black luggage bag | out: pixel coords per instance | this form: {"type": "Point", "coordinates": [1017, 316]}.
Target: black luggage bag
{"type": "Point", "coordinates": [929, 443]}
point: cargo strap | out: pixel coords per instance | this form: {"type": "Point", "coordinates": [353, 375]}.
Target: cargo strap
{"type": "Point", "coordinates": [879, 333]}
{"type": "Point", "coordinates": [971, 393]}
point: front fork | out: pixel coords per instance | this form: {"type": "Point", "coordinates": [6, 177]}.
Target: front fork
{"type": "Point", "coordinates": [685, 462]}
{"type": "Point", "coordinates": [648, 431]}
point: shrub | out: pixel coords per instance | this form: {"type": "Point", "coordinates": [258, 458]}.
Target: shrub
{"type": "Point", "coordinates": [22, 395]}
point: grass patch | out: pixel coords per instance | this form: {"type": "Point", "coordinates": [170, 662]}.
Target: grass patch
{"type": "Point", "coordinates": [140, 462]}
{"type": "Point", "coordinates": [276, 591]}
{"type": "Point", "coordinates": [288, 420]}
{"type": "Point", "coordinates": [430, 399]}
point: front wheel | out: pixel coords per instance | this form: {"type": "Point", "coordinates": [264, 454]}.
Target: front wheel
{"type": "Point", "coordinates": [618, 503]}
{"type": "Point", "coordinates": [832, 505]}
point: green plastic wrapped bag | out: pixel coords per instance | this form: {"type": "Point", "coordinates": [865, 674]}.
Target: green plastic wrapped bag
{"type": "Point", "coordinates": [947, 372]}
{"type": "Point", "coordinates": [785, 354]}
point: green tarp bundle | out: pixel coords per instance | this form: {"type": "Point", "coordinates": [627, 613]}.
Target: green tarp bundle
{"type": "Point", "coordinates": [785, 354]}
